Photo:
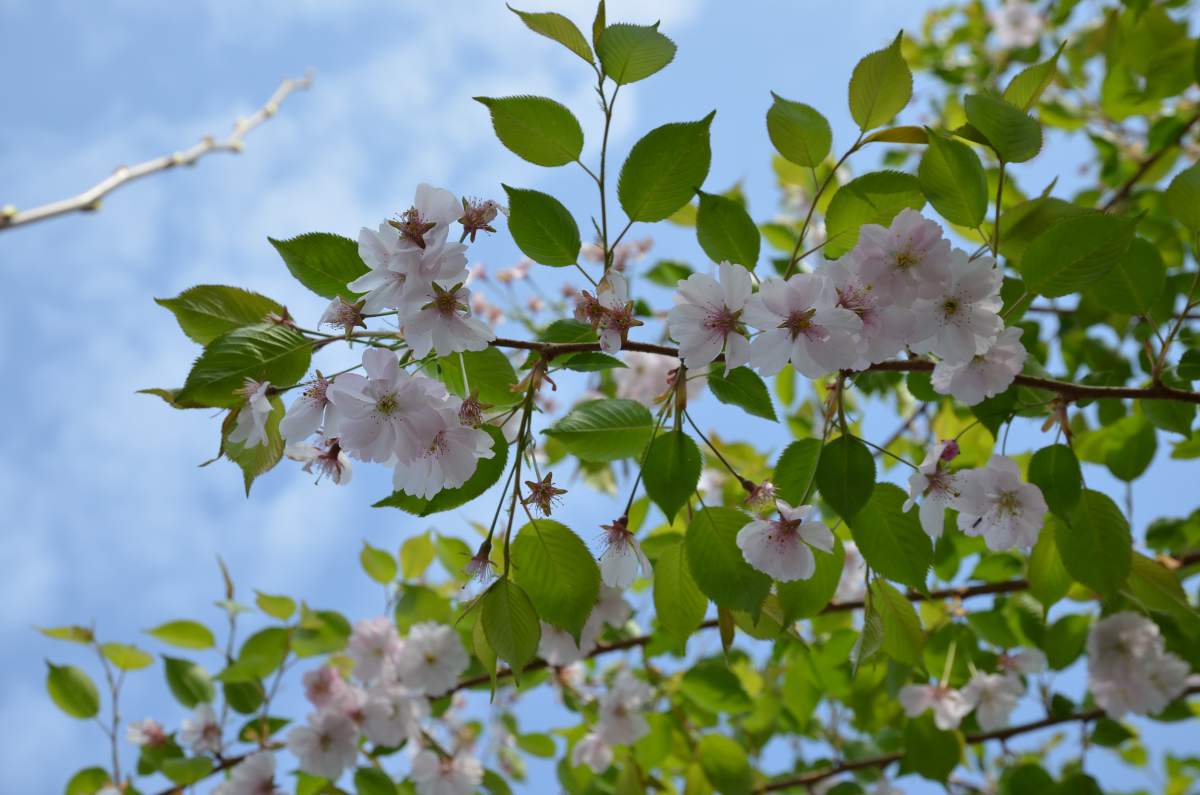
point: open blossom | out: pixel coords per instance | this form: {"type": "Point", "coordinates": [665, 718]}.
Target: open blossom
{"type": "Point", "coordinates": [801, 324]}
{"type": "Point", "coordinates": [449, 459]}
{"type": "Point", "coordinates": [325, 687]}
{"type": "Point", "coordinates": [985, 374]}
{"type": "Point", "coordinates": [904, 261]}
{"type": "Point", "coordinates": [426, 223]}
{"type": "Point", "coordinates": [392, 714]}
{"type": "Point", "coordinates": [707, 317]}
{"type": "Point", "coordinates": [444, 323]}
{"type": "Point", "coordinates": [254, 775]}
{"type": "Point", "coordinates": [591, 750]}
{"type": "Point", "coordinates": [1129, 668]}
{"type": "Point", "coordinates": [948, 705]}
{"type": "Point", "coordinates": [327, 745]}
{"type": "Point", "coordinates": [145, 733]}
{"type": "Point", "coordinates": [310, 411]}
{"type": "Point", "coordinates": [1016, 24]}
{"type": "Point", "coordinates": [619, 717]}
{"type": "Point", "coordinates": [937, 488]}
{"type": "Point", "coordinates": [616, 316]}
{"type": "Point", "coordinates": [432, 658]}
{"type": "Point", "coordinates": [994, 502]}
{"type": "Point", "coordinates": [961, 317]}
{"type": "Point", "coordinates": [386, 413]}
{"type": "Point", "coordinates": [250, 427]}
{"type": "Point", "coordinates": [622, 558]}
{"type": "Point", "coordinates": [374, 647]}
{"type": "Point", "coordinates": [1026, 661]}
{"type": "Point", "coordinates": [780, 547]}
{"type": "Point", "coordinates": [460, 774]}
{"type": "Point", "coordinates": [994, 697]}
{"type": "Point", "coordinates": [201, 732]}
{"type": "Point", "coordinates": [646, 377]}
{"type": "Point", "coordinates": [886, 325]}
{"type": "Point", "coordinates": [344, 315]}
{"type": "Point", "coordinates": [329, 460]}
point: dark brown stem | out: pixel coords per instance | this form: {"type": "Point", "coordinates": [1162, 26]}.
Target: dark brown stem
{"type": "Point", "coordinates": [1148, 163]}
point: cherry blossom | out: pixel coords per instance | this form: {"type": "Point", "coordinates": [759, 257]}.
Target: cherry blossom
{"type": "Point", "coordinates": [145, 733]}
{"type": "Point", "coordinates": [985, 374]}
{"type": "Point", "coordinates": [392, 714]}
{"type": "Point", "coordinates": [961, 318]}
{"type": "Point", "coordinates": [250, 427]}
{"type": "Point", "coordinates": [426, 223]}
{"type": "Point", "coordinates": [906, 260]}
{"type": "Point", "coordinates": [450, 458]}
{"type": "Point", "coordinates": [937, 488]}
{"type": "Point", "coordinates": [254, 775]}
{"type": "Point", "coordinates": [886, 326]}
{"type": "Point", "coordinates": [1129, 668]}
{"type": "Point", "coordinates": [995, 503]}
{"type": "Point", "coordinates": [648, 377]}
{"type": "Point", "coordinates": [948, 705]}
{"type": "Point", "coordinates": [852, 585]}
{"type": "Point", "coordinates": [1026, 661]}
{"type": "Point", "coordinates": [325, 687]}
{"type": "Point", "coordinates": [994, 697]}
{"type": "Point", "coordinates": [615, 316]}
{"type": "Point", "coordinates": [201, 732]}
{"type": "Point", "coordinates": [801, 324]}
{"type": "Point", "coordinates": [622, 558]}
{"type": "Point", "coordinates": [558, 647]}
{"type": "Point", "coordinates": [374, 646]}
{"type": "Point", "coordinates": [344, 315]}
{"type": "Point", "coordinates": [620, 721]}
{"type": "Point", "coordinates": [444, 324]}
{"type": "Point", "coordinates": [780, 547]}
{"type": "Point", "coordinates": [707, 317]}
{"type": "Point", "coordinates": [431, 659]}
{"type": "Point", "coordinates": [327, 745]}
{"type": "Point", "coordinates": [460, 774]}
{"type": "Point", "coordinates": [309, 412]}
{"type": "Point", "coordinates": [591, 750]}
{"type": "Point", "coordinates": [329, 460]}
{"type": "Point", "coordinates": [1017, 24]}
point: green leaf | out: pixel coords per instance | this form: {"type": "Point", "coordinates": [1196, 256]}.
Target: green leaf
{"type": "Point", "coordinates": [1169, 415]}
{"type": "Point", "coordinates": [664, 169]}
{"type": "Point", "coordinates": [954, 181]}
{"type": "Point", "coordinates": [604, 430]}
{"type": "Point", "coordinates": [126, 657]}
{"type": "Point", "coordinates": [260, 458]}
{"type": "Point", "coordinates": [1048, 579]}
{"type": "Point", "coordinates": [880, 86]}
{"type": "Point", "coordinates": [379, 565]}
{"type": "Point", "coordinates": [929, 751]}
{"type": "Point", "coordinates": [591, 362]}
{"type": "Point", "coordinates": [266, 352]}
{"type": "Point", "coordinates": [72, 691]}
{"type": "Point", "coordinates": [371, 780]}
{"type": "Point", "coordinates": [263, 652]}
{"type": "Point", "coordinates": [88, 781]}
{"type": "Point", "coordinates": [1027, 86]}
{"type": "Point", "coordinates": [207, 311]}
{"type": "Point", "coordinates": [1055, 471]}
{"type": "Point", "coordinates": [679, 603]}
{"type": "Point", "coordinates": [796, 469]}
{"type": "Point", "coordinates": [873, 198]}
{"type": "Point", "coordinates": [556, 570]}
{"type": "Point", "coordinates": [904, 134]}
{"type": "Point", "coordinates": [280, 607]}
{"type": "Point", "coordinates": [725, 764]}
{"type": "Point", "coordinates": [1133, 443]}
{"type": "Point", "coordinates": [890, 539]}
{"type": "Point", "coordinates": [846, 475]}
{"type": "Point", "coordinates": [671, 471]}
{"type": "Point", "coordinates": [189, 683]}
{"type": "Point", "coordinates": [741, 387]}
{"type": "Point", "coordinates": [629, 53]}
{"type": "Point", "coordinates": [487, 472]}
{"type": "Point", "coordinates": [1095, 544]}
{"type": "Point", "coordinates": [559, 28]}
{"type": "Point", "coordinates": [1071, 255]}
{"type": "Point", "coordinates": [667, 273]}
{"type": "Point", "coordinates": [453, 553]}
{"type": "Point", "coordinates": [807, 598]}
{"type": "Point", "coordinates": [1182, 198]}
{"type": "Point", "coordinates": [1158, 588]}
{"type": "Point", "coordinates": [322, 262]}
{"type": "Point", "coordinates": [72, 634]}
{"type": "Point", "coordinates": [536, 129]}
{"type": "Point", "coordinates": [184, 634]}
{"type": "Point", "coordinates": [489, 374]}
{"type": "Point", "coordinates": [1012, 133]}
{"type": "Point", "coordinates": [903, 638]}
{"type": "Point", "coordinates": [542, 227]}
{"type": "Point", "coordinates": [717, 564]}
{"type": "Point", "coordinates": [322, 632]}
{"type": "Point", "coordinates": [187, 770]}
{"type": "Point", "coordinates": [1134, 283]}
{"type": "Point", "coordinates": [510, 624]}
{"type": "Point", "coordinates": [798, 131]}
{"type": "Point", "coordinates": [415, 556]}
{"type": "Point", "coordinates": [726, 231]}
{"type": "Point", "coordinates": [1065, 639]}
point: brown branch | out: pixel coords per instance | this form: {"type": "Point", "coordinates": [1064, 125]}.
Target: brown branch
{"type": "Point", "coordinates": [1147, 163]}
{"type": "Point", "coordinates": [89, 200]}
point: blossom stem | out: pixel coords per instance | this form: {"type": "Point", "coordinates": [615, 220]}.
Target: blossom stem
{"type": "Point", "coordinates": [114, 690]}
{"type": "Point", "coordinates": [996, 231]}
{"type": "Point", "coordinates": [885, 451]}
{"type": "Point", "coordinates": [716, 452]}
{"type": "Point", "coordinates": [812, 206]}
{"type": "Point", "coordinates": [526, 416]}
{"type": "Point", "coordinates": [662, 414]}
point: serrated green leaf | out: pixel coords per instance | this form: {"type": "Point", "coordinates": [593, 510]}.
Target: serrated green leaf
{"type": "Point", "coordinates": [664, 169]}
{"type": "Point", "coordinates": [741, 387]}
{"type": "Point", "coordinates": [890, 539]}
{"type": "Point", "coordinates": [265, 352]}
{"type": "Point", "coordinates": [873, 198]}
{"type": "Point", "coordinates": [1012, 133]}
{"type": "Point", "coordinates": [880, 86]}
{"type": "Point", "coordinates": [846, 475]}
{"type": "Point", "coordinates": [725, 764]}
{"type": "Point", "coordinates": [903, 638]}
{"type": "Point", "coordinates": [679, 603]}
{"type": "Point", "coordinates": [1026, 88]}
{"type": "Point", "coordinates": [184, 634]}
{"type": "Point", "coordinates": [726, 231]}
{"type": "Point", "coordinates": [126, 657]}
{"type": "Point", "coordinates": [1071, 255]}
{"type": "Point", "coordinates": [629, 53]}
{"type": "Point", "coordinates": [806, 598]}
{"type": "Point", "coordinates": [280, 607]}
{"type": "Point", "coordinates": [536, 129]}
{"type": "Point", "coordinates": [717, 564]}
{"type": "Point", "coordinates": [72, 691]}
{"type": "Point", "coordinates": [557, 28]}
{"type": "Point", "coordinates": [415, 556]}
{"type": "Point", "coordinates": [1048, 578]}
{"type": "Point", "coordinates": [378, 563]}
{"type": "Point", "coordinates": [1182, 198]}
{"type": "Point", "coordinates": [1095, 544]}
{"type": "Point", "coordinates": [1055, 471]}
{"type": "Point", "coordinates": [1134, 283]}
{"type": "Point", "coordinates": [604, 430]}
{"type": "Point", "coordinates": [554, 567]}
{"type": "Point", "coordinates": [796, 470]}
{"type": "Point", "coordinates": [671, 471]}
{"type": "Point", "coordinates": [798, 131]}
{"type": "Point", "coordinates": [542, 227]}
{"type": "Point", "coordinates": [953, 180]}
{"type": "Point", "coordinates": [324, 263]}
{"type": "Point", "coordinates": [510, 624]}
{"type": "Point", "coordinates": [207, 311]}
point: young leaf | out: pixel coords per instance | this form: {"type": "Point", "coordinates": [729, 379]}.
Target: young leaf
{"type": "Point", "coordinates": [126, 657]}
{"type": "Point", "coordinates": [1134, 283]}
{"type": "Point", "coordinates": [184, 634]}
{"type": "Point", "coordinates": [726, 231]}
{"type": "Point", "coordinates": [556, 570]}
{"type": "Point", "coordinates": [953, 180]}
{"type": "Point", "coordinates": [798, 131]}
{"type": "Point", "coordinates": [207, 311]}
{"type": "Point", "coordinates": [537, 129]}
{"type": "Point", "coordinates": [378, 563]}
{"type": "Point", "coordinates": [1013, 134]}
{"type": "Point", "coordinates": [1026, 88]}
{"type": "Point", "coordinates": [280, 607]}
{"type": "Point", "coordinates": [72, 634]}
{"type": "Point", "coordinates": [322, 262]}
{"type": "Point", "coordinates": [72, 691]}
{"type": "Point", "coordinates": [890, 539]}
{"type": "Point", "coordinates": [671, 471]}
{"type": "Point", "coordinates": [664, 169]}
{"type": "Point", "coordinates": [1055, 471]}
{"type": "Point", "coordinates": [873, 198]}
{"type": "Point", "coordinates": [416, 553]}
{"type": "Point", "coordinates": [806, 598]}
{"type": "Point", "coordinates": [741, 387]}
{"type": "Point", "coordinates": [542, 227]}
{"type": "Point", "coordinates": [678, 601]}
{"type": "Point", "coordinates": [846, 475]}
{"type": "Point", "coordinates": [510, 624]}
{"type": "Point", "coordinates": [880, 86]}
{"type": "Point", "coordinates": [1074, 253]}
{"type": "Point", "coordinates": [629, 53]}
{"type": "Point", "coordinates": [795, 470]}
{"type": "Point", "coordinates": [265, 352]}
{"type": "Point", "coordinates": [717, 564]}
{"type": "Point", "coordinates": [559, 28]}
{"type": "Point", "coordinates": [604, 430]}
{"type": "Point", "coordinates": [1095, 544]}
{"type": "Point", "coordinates": [487, 472]}
{"type": "Point", "coordinates": [189, 683]}
{"type": "Point", "coordinates": [903, 638]}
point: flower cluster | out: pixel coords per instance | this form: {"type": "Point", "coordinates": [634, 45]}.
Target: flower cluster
{"type": "Point", "coordinates": [1129, 668]}
{"type": "Point", "coordinates": [619, 721]}
{"type": "Point", "coordinates": [900, 288]}
{"type": "Point", "coordinates": [993, 696]}
{"type": "Point", "coordinates": [609, 311]}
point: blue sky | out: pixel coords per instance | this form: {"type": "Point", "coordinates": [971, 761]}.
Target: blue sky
{"type": "Point", "coordinates": [109, 520]}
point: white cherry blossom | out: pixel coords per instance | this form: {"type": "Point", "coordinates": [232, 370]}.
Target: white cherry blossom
{"type": "Point", "coordinates": [1017, 24]}
{"type": "Point", "coordinates": [994, 697]}
{"type": "Point", "coordinates": [326, 745]}
{"type": "Point", "coordinates": [1129, 668]}
{"type": "Point", "coordinates": [392, 714]}
{"type": "Point", "coordinates": [615, 315]}
{"type": "Point", "coordinates": [937, 488]}
{"type": "Point", "coordinates": [431, 659]}
{"type": "Point", "coordinates": [707, 317]}
{"type": "Point", "coordinates": [250, 427]}
{"type": "Point", "coordinates": [648, 376]}
{"type": "Point", "coordinates": [623, 557]}
{"type": "Point", "coordinates": [619, 717]}
{"type": "Point", "coordinates": [329, 460]}
{"type": "Point", "coordinates": [201, 732]}
{"type": "Point", "coordinates": [444, 324]}
{"type": "Point", "coordinates": [1026, 661]}
{"type": "Point", "coordinates": [310, 412]}
{"type": "Point", "coordinates": [592, 751]}
{"type": "Point", "coordinates": [558, 647]}
{"type": "Point", "coordinates": [780, 547]}
{"type": "Point", "coordinates": [961, 318]}
{"type": "Point", "coordinates": [995, 503]}
{"type": "Point", "coordinates": [904, 261]}
{"type": "Point", "coordinates": [254, 775]}
{"type": "Point", "coordinates": [800, 323]}
{"type": "Point", "coordinates": [325, 687]}
{"type": "Point", "coordinates": [852, 585]}
{"type": "Point", "coordinates": [143, 733]}
{"type": "Point", "coordinates": [374, 646]}
{"type": "Point", "coordinates": [948, 705]}
{"type": "Point", "coordinates": [460, 774]}
{"type": "Point", "coordinates": [427, 221]}
{"type": "Point", "coordinates": [985, 374]}
{"type": "Point", "coordinates": [886, 326]}
{"type": "Point", "coordinates": [450, 458]}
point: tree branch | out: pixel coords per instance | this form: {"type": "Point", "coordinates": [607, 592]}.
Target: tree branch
{"type": "Point", "coordinates": [1147, 163]}
{"type": "Point", "coordinates": [89, 200]}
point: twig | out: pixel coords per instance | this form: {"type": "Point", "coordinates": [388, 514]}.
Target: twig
{"type": "Point", "coordinates": [89, 200]}
{"type": "Point", "coordinates": [1148, 163]}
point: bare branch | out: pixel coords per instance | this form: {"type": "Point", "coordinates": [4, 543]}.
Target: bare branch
{"type": "Point", "coordinates": [89, 200]}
